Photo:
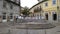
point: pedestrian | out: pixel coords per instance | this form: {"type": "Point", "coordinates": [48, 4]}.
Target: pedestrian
{"type": "Point", "coordinates": [16, 18]}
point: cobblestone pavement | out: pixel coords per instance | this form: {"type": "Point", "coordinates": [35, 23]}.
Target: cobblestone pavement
{"type": "Point", "coordinates": [33, 24]}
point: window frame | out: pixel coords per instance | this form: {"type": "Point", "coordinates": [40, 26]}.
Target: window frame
{"type": "Point", "coordinates": [46, 4]}
{"type": "Point", "coordinates": [11, 16]}
{"type": "Point", "coordinates": [4, 15]}
{"type": "Point", "coordinates": [4, 4]}
{"type": "Point", "coordinates": [53, 2]}
{"type": "Point", "coordinates": [11, 6]}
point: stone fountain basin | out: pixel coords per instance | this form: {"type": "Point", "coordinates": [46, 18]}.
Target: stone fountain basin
{"type": "Point", "coordinates": [34, 26]}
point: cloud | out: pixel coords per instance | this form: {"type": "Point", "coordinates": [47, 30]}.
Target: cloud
{"type": "Point", "coordinates": [28, 3]}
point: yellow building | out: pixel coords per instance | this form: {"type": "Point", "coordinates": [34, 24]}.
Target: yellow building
{"type": "Point", "coordinates": [35, 10]}
{"type": "Point", "coordinates": [50, 9]}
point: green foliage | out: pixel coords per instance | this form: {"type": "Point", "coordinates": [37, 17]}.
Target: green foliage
{"type": "Point", "coordinates": [26, 11]}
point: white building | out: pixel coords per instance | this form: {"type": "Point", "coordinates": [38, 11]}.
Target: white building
{"type": "Point", "coordinates": [9, 9]}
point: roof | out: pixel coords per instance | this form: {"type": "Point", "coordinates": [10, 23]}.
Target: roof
{"type": "Point", "coordinates": [37, 4]}
{"type": "Point", "coordinates": [12, 2]}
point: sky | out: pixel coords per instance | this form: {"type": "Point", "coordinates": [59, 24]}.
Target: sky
{"type": "Point", "coordinates": [28, 3]}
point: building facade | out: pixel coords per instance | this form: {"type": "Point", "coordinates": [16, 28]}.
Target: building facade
{"type": "Point", "coordinates": [37, 10]}
{"type": "Point", "coordinates": [51, 12]}
{"type": "Point", "coordinates": [9, 10]}
{"type": "Point", "coordinates": [49, 9]}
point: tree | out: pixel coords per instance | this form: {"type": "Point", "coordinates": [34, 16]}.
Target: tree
{"type": "Point", "coordinates": [26, 12]}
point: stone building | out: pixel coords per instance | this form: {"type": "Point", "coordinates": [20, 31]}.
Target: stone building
{"type": "Point", "coordinates": [9, 9]}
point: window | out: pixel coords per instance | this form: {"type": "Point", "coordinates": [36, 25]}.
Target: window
{"type": "Point", "coordinates": [53, 1]}
{"type": "Point", "coordinates": [40, 8]}
{"type": "Point", "coordinates": [4, 4]}
{"type": "Point", "coordinates": [46, 4]}
{"type": "Point", "coordinates": [4, 15]}
{"type": "Point", "coordinates": [11, 16]}
{"type": "Point", "coordinates": [37, 9]}
{"type": "Point", "coordinates": [11, 6]}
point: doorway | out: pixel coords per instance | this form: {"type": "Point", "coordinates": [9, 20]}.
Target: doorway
{"type": "Point", "coordinates": [55, 16]}
{"type": "Point", "coordinates": [46, 15]}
